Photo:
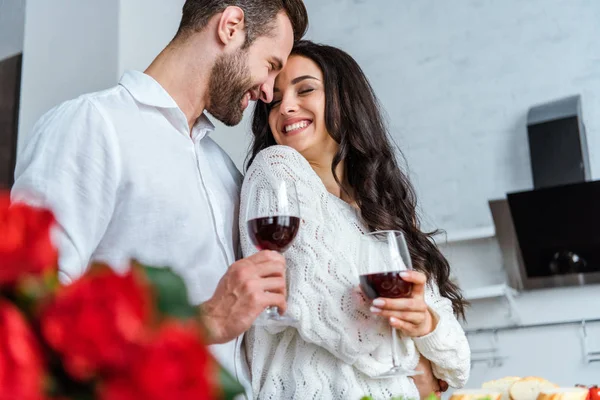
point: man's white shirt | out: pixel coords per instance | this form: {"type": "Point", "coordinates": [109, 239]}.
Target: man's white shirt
{"type": "Point", "coordinates": [126, 179]}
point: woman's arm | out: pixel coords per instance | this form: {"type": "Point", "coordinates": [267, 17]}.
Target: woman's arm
{"type": "Point", "coordinates": [447, 346]}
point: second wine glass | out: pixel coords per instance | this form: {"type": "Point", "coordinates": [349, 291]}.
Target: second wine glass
{"type": "Point", "coordinates": [273, 219]}
{"type": "Point", "coordinates": [383, 256]}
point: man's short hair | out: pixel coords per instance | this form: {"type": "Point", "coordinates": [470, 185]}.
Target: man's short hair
{"type": "Point", "coordinates": [259, 16]}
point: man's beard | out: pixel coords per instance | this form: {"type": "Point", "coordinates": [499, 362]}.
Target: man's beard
{"type": "Point", "coordinates": [229, 81]}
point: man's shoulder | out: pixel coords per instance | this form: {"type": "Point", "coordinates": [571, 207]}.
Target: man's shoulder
{"type": "Point", "coordinates": [88, 103]}
{"type": "Point", "coordinates": [108, 99]}
{"type": "Point", "coordinates": [88, 115]}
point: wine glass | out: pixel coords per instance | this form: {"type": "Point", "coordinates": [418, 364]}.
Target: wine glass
{"type": "Point", "coordinates": [383, 256]}
{"type": "Point", "coordinates": [273, 220]}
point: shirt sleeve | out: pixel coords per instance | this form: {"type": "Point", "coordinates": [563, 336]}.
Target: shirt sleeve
{"type": "Point", "coordinates": [447, 346]}
{"type": "Point", "coordinates": [70, 165]}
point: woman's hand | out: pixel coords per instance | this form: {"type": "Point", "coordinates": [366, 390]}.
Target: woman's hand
{"type": "Point", "coordinates": [410, 315]}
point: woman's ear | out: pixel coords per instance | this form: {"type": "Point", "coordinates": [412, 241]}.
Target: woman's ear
{"type": "Point", "coordinates": [231, 27]}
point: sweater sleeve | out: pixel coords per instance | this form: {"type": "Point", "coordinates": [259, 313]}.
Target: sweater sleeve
{"type": "Point", "coordinates": [446, 347]}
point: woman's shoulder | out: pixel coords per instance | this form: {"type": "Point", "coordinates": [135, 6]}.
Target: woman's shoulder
{"type": "Point", "coordinates": [283, 160]}
{"type": "Point", "coordinates": [279, 154]}
{"type": "Point", "coordinates": [286, 163]}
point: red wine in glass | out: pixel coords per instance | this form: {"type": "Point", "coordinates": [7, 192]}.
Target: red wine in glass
{"type": "Point", "coordinates": [383, 256]}
{"type": "Point", "coordinates": [273, 233]}
{"type": "Point", "coordinates": [385, 284]}
{"type": "Point", "coordinates": [273, 222]}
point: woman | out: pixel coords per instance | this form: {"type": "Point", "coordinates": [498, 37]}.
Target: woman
{"type": "Point", "coordinates": [337, 151]}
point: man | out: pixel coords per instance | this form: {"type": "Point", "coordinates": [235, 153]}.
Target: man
{"type": "Point", "coordinates": [130, 172]}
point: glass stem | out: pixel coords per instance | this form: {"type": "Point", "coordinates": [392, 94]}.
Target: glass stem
{"type": "Point", "coordinates": [395, 348]}
{"type": "Point", "coordinates": [273, 311]}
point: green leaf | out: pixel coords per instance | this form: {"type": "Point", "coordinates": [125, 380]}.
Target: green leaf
{"type": "Point", "coordinates": [229, 385]}
{"type": "Point", "coordinates": [171, 293]}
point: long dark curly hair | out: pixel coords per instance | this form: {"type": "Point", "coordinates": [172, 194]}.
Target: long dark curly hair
{"type": "Point", "coordinates": [382, 191]}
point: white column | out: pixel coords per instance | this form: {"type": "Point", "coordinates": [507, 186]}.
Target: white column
{"type": "Point", "coordinates": [146, 27]}
{"type": "Point", "coordinates": [12, 14]}
{"type": "Point", "coordinates": [70, 48]}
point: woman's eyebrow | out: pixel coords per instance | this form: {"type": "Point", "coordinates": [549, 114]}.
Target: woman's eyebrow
{"type": "Point", "coordinates": [297, 80]}
{"type": "Point", "coordinates": [302, 78]}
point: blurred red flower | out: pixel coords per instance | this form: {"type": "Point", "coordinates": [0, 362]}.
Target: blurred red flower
{"type": "Point", "coordinates": [175, 365]}
{"type": "Point", "coordinates": [25, 243]}
{"type": "Point", "coordinates": [97, 322]}
{"type": "Point", "coordinates": [21, 362]}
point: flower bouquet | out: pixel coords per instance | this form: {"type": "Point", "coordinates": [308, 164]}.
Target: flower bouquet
{"type": "Point", "coordinates": [107, 336]}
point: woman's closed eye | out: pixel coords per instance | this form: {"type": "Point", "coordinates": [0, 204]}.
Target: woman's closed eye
{"type": "Point", "coordinates": [306, 91]}
{"type": "Point", "coordinates": [301, 92]}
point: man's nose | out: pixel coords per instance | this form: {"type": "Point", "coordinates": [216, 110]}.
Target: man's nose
{"type": "Point", "coordinates": [266, 91]}
{"type": "Point", "coordinates": [266, 95]}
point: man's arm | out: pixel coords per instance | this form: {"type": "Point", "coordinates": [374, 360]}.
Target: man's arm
{"type": "Point", "coordinates": [249, 286]}
{"type": "Point", "coordinates": [70, 165]}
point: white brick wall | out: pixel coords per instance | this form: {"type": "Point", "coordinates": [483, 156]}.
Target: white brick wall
{"type": "Point", "coordinates": [457, 78]}
{"type": "Point", "coordinates": [70, 48]}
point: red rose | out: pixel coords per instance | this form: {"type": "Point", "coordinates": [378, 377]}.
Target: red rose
{"type": "Point", "coordinates": [21, 363]}
{"type": "Point", "coordinates": [25, 244]}
{"type": "Point", "coordinates": [96, 322]}
{"type": "Point", "coordinates": [176, 365]}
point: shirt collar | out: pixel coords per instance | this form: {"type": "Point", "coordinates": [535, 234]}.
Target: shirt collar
{"type": "Point", "coordinates": [146, 90]}
{"type": "Point", "coordinates": [202, 127]}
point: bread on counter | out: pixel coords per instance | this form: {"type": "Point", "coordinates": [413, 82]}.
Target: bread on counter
{"type": "Point", "coordinates": [517, 388]}
{"type": "Point", "coordinates": [476, 394]}
{"type": "Point", "coordinates": [501, 385]}
{"type": "Point", "coordinates": [529, 388]}
{"type": "Point", "coordinates": [570, 393]}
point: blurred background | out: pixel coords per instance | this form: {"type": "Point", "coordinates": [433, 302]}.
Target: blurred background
{"type": "Point", "coordinates": [457, 81]}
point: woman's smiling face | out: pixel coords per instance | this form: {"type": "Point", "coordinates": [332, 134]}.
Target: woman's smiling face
{"type": "Point", "coordinates": [297, 114]}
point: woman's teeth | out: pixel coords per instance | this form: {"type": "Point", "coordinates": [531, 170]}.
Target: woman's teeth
{"type": "Point", "coordinates": [297, 125]}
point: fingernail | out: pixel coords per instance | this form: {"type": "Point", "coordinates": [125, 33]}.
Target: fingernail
{"type": "Point", "coordinates": [375, 310]}
{"type": "Point", "coordinates": [393, 320]}
{"type": "Point", "coordinates": [404, 274]}
{"type": "Point", "coordinates": [378, 302]}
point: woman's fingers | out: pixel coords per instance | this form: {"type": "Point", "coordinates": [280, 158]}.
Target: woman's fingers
{"type": "Point", "coordinates": [411, 329]}
{"type": "Point", "coordinates": [411, 316]}
{"type": "Point", "coordinates": [418, 279]}
{"type": "Point", "coordinates": [414, 277]}
{"type": "Point", "coordinates": [408, 304]}
{"type": "Point", "coordinates": [414, 318]}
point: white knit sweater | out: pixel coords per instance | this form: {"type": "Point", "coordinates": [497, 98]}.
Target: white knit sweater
{"type": "Point", "coordinates": [338, 345]}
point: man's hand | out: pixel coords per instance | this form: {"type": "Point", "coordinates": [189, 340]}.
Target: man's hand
{"type": "Point", "coordinates": [427, 383]}
{"type": "Point", "coordinates": [249, 286]}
